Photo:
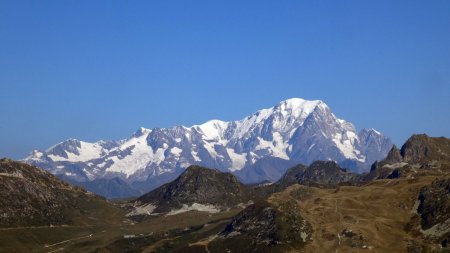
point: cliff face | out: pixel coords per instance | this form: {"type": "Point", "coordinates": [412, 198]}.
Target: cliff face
{"type": "Point", "coordinates": [434, 207]}
{"type": "Point", "coordinates": [419, 155]}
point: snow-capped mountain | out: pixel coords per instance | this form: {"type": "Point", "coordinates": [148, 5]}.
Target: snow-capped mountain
{"type": "Point", "coordinates": [254, 148]}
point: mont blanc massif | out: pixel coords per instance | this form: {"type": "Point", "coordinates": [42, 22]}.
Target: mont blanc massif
{"type": "Point", "coordinates": [258, 148]}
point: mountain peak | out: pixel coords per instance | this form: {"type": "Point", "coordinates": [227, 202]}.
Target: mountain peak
{"type": "Point", "coordinates": [141, 131]}
{"type": "Point", "coordinates": [212, 129]}
{"type": "Point", "coordinates": [421, 147]}
{"type": "Point", "coordinates": [298, 102]}
{"type": "Point", "coordinates": [299, 107]}
{"type": "Point", "coordinates": [198, 170]}
{"type": "Point", "coordinates": [373, 130]}
{"type": "Point", "coordinates": [325, 173]}
{"type": "Point", "coordinates": [370, 132]}
{"type": "Point", "coordinates": [196, 186]}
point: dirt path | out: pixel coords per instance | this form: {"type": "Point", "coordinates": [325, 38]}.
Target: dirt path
{"type": "Point", "coordinates": [40, 227]}
{"type": "Point", "coordinates": [56, 250]}
{"type": "Point", "coordinates": [69, 240]}
{"type": "Point", "coordinates": [157, 244]}
{"type": "Point", "coordinates": [336, 210]}
{"type": "Point", "coordinates": [204, 242]}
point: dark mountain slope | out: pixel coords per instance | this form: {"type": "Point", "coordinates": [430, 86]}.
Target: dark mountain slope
{"type": "Point", "coordinates": [319, 173]}
{"type": "Point", "coordinates": [434, 209]}
{"type": "Point", "coordinates": [30, 196]}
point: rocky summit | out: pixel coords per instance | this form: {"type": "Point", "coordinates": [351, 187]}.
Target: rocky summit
{"type": "Point", "coordinates": [197, 188]}
{"type": "Point", "coordinates": [257, 148]}
{"type": "Point", "coordinates": [319, 173]}
{"type": "Point", "coordinates": [420, 154]}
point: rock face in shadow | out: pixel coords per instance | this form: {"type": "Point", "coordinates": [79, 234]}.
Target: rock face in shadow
{"type": "Point", "coordinates": [434, 207]}
{"type": "Point", "coordinates": [263, 227]}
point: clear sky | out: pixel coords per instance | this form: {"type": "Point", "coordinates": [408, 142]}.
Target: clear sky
{"type": "Point", "coordinates": [100, 69]}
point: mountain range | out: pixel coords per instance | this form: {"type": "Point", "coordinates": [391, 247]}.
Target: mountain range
{"type": "Point", "coordinates": [259, 147]}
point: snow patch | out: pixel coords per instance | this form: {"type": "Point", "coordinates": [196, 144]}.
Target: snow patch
{"type": "Point", "coordinates": [395, 165]}
{"type": "Point", "coordinates": [159, 156]}
{"type": "Point", "coordinates": [213, 129]}
{"type": "Point", "coordinates": [141, 155]}
{"type": "Point", "coordinates": [142, 210]}
{"type": "Point", "coordinates": [195, 207]}
{"type": "Point", "coordinates": [375, 131]}
{"type": "Point", "coordinates": [88, 151]}
{"type": "Point", "coordinates": [195, 155]}
{"type": "Point", "coordinates": [276, 147]}
{"type": "Point", "coordinates": [346, 146]}
{"type": "Point", "coordinates": [238, 160]}
{"type": "Point", "coordinates": [310, 147]}
{"type": "Point", "coordinates": [176, 151]}
{"type": "Point", "coordinates": [209, 146]}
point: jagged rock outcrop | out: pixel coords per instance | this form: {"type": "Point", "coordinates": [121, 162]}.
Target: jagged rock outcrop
{"type": "Point", "coordinates": [420, 154]}
{"type": "Point", "coordinates": [434, 207]}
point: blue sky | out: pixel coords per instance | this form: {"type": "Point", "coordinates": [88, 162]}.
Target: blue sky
{"type": "Point", "coordinates": [100, 69]}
